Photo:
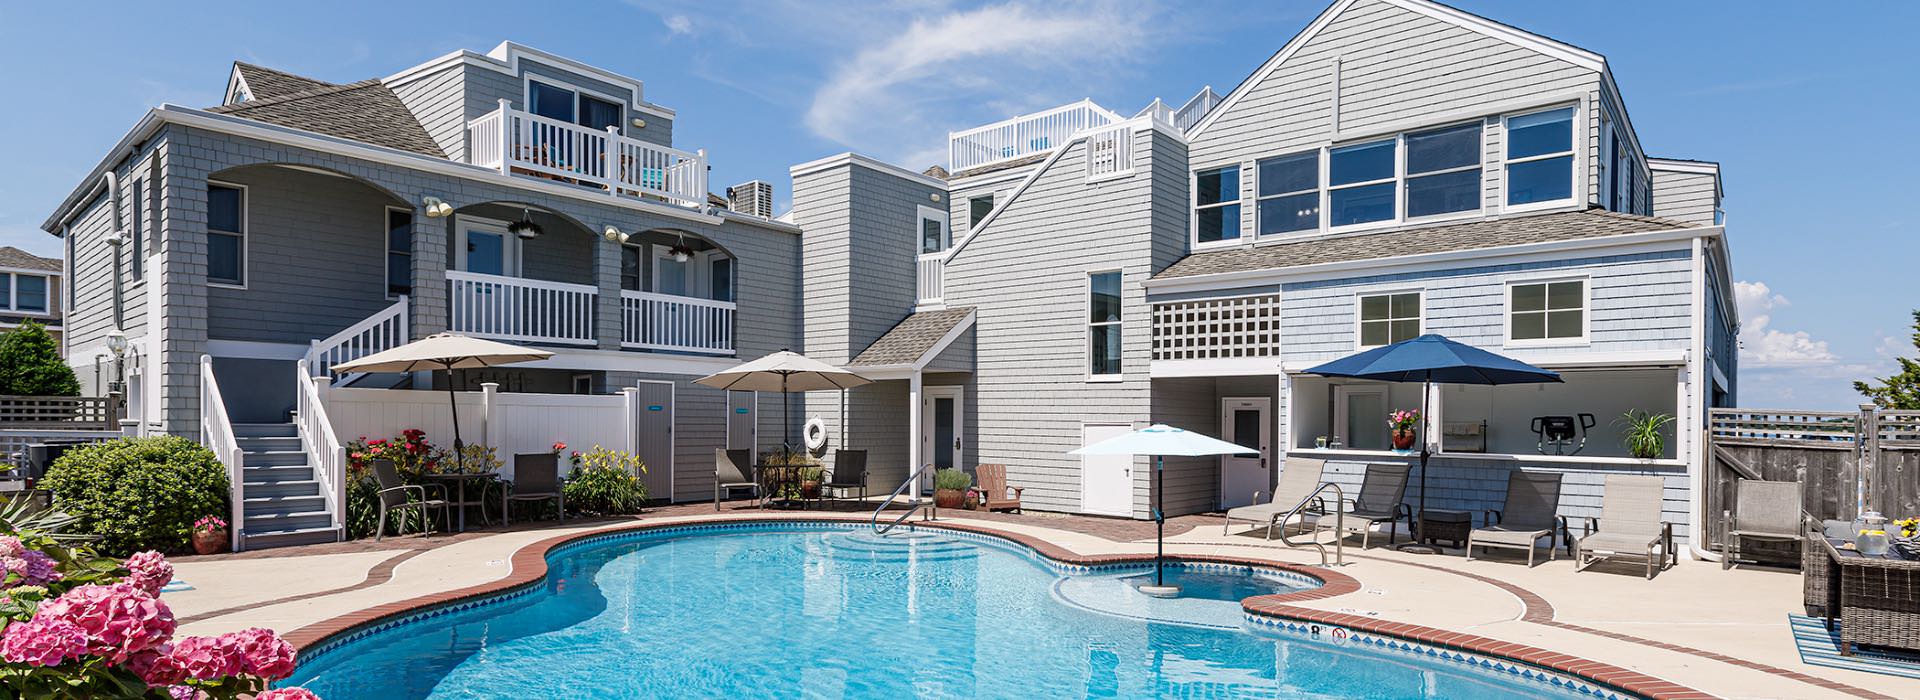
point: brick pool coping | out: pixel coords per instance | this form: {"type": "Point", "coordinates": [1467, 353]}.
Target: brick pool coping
{"type": "Point", "coordinates": [529, 567]}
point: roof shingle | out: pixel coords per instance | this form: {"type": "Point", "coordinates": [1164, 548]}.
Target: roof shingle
{"type": "Point", "coordinates": [912, 337]}
{"type": "Point", "coordinates": [267, 83]}
{"type": "Point", "coordinates": [1489, 233]}
{"type": "Point", "coordinates": [366, 111]}
{"type": "Point", "coordinates": [20, 259]}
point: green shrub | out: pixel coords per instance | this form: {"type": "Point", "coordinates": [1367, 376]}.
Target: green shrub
{"type": "Point", "coordinates": [952, 479]}
{"type": "Point", "coordinates": [139, 493]}
{"type": "Point", "coordinates": [30, 364]}
{"type": "Point", "coordinates": [606, 482]}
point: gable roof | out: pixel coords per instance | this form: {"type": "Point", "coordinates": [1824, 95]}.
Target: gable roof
{"type": "Point", "coordinates": [366, 111]}
{"type": "Point", "coordinates": [20, 259]}
{"type": "Point", "coordinates": [911, 339]}
{"type": "Point", "coordinates": [1488, 233]}
{"type": "Point", "coordinates": [1465, 20]}
{"type": "Point", "coordinates": [266, 83]}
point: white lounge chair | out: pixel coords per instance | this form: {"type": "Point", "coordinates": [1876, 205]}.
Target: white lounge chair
{"type": "Point", "coordinates": [1629, 526]}
{"type": "Point", "coordinates": [1298, 480]}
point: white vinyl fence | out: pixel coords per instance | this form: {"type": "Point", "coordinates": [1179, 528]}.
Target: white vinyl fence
{"type": "Point", "coordinates": [512, 423]}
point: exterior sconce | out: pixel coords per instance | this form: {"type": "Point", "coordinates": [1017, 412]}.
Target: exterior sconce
{"type": "Point", "coordinates": [935, 196]}
{"type": "Point", "coordinates": [639, 123]}
{"type": "Point", "coordinates": [435, 207]}
{"type": "Point", "coordinates": [614, 235]}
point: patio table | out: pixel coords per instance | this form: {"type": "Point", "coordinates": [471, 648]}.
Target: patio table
{"type": "Point", "coordinates": [457, 485]}
{"type": "Point", "coordinates": [1876, 599]}
{"type": "Point", "coordinates": [776, 480]}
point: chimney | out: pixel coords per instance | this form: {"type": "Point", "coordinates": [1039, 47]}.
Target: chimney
{"type": "Point", "coordinates": [753, 197]}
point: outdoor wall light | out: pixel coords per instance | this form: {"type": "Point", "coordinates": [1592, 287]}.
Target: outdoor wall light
{"type": "Point", "coordinates": [639, 123]}
{"type": "Point", "coordinates": [435, 207]}
{"type": "Point", "coordinates": [614, 235]}
{"type": "Point", "coordinates": [935, 196]}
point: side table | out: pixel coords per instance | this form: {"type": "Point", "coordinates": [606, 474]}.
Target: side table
{"type": "Point", "coordinates": [1450, 525]}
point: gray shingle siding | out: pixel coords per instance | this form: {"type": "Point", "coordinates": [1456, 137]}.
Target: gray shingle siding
{"type": "Point", "coordinates": [1684, 196]}
{"type": "Point", "coordinates": [438, 101]}
{"type": "Point", "coordinates": [860, 254]}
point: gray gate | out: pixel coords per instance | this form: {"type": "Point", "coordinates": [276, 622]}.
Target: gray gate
{"type": "Point", "coordinates": [655, 431]}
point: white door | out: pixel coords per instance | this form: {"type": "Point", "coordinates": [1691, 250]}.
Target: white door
{"type": "Point", "coordinates": [940, 412]}
{"type": "Point", "coordinates": [656, 438]}
{"type": "Point", "coordinates": [1106, 481]}
{"type": "Point", "coordinates": [1245, 423]}
{"type": "Point", "coordinates": [1360, 417]}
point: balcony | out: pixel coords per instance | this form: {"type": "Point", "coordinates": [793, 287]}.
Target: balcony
{"type": "Point", "coordinates": [560, 313]}
{"type": "Point", "coordinates": [529, 145]}
{"type": "Point", "coordinates": [1024, 135]}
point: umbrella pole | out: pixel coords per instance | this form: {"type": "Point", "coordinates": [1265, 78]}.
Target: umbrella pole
{"type": "Point", "coordinates": [453, 407]}
{"type": "Point", "coordinates": [1159, 589]}
{"type": "Point", "coordinates": [786, 416]}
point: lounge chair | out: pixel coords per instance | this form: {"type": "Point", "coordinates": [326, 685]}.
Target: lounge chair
{"type": "Point", "coordinates": [849, 474]}
{"type": "Point", "coordinates": [995, 494]}
{"type": "Point", "coordinates": [1298, 480]}
{"type": "Point", "coordinates": [1531, 512]}
{"type": "Point", "coordinates": [397, 495]}
{"type": "Point", "coordinates": [1629, 527]}
{"type": "Point", "coordinates": [1763, 510]}
{"type": "Point", "coordinates": [1382, 497]}
{"type": "Point", "coordinates": [730, 473]}
{"type": "Point", "coordinates": [536, 477]}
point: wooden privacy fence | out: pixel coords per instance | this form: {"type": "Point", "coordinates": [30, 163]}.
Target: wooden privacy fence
{"type": "Point", "coordinates": [61, 412]}
{"type": "Point", "coordinates": [1826, 451]}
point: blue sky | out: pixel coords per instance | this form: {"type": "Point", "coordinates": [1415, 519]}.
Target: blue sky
{"type": "Point", "coordinates": [1809, 111]}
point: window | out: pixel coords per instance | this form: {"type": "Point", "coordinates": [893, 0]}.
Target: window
{"type": "Point", "coordinates": [1540, 157]}
{"type": "Point", "coordinates": [1289, 193]}
{"type": "Point", "coordinates": [630, 267]}
{"type": "Point", "coordinates": [568, 105]}
{"type": "Point", "coordinates": [933, 230]}
{"type": "Point", "coordinates": [226, 234]}
{"type": "Point", "coordinates": [1546, 311]}
{"type": "Point", "coordinates": [1217, 204]}
{"type": "Point", "coordinates": [1361, 183]}
{"type": "Point", "coordinates": [1389, 318]}
{"type": "Point", "coordinates": [1103, 324]}
{"type": "Point", "coordinates": [399, 252]}
{"type": "Point", "coordinates": [598, 114]}
{"type": "Point", "coordinates": [22, 292]}
{"type": "Point", "coordinates": [978, 208]}
{"type": "Point", "coordinates": [720, 281]}
{"type": "Point", "coordinates": [1443, 170]}
{"type": "Point", "coordinates": [136, 263]}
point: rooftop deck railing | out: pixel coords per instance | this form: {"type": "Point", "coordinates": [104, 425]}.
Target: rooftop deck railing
{"type": "Point", "coordinates": [1024, 135]}
{"type": "Point", "coordinates": [520, 143]}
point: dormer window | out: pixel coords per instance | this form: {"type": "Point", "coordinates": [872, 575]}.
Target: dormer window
{"type": "Point", "coordinates": [1361, 177]}
{"type": "Point", "coordinates": [572, 106]}
{"type": "Point", "coordinates": [1540, 157]}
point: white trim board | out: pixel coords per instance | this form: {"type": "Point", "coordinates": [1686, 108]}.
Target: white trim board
{"type": "Point", "coordinates": [505, 58]}
{"type": "Point", "coordinates": [255, 350]}
{"type": "Point", "coordinates": [851, 158]}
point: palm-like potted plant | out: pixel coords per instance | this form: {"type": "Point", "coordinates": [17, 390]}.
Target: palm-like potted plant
{"type": "Point", "coordinates": [1643, 433]}
{"type": "Point", "coordinates": [950, 487]}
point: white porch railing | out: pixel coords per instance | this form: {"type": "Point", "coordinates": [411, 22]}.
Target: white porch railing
{"type": "Point", "coordinates": [324, 452]}
{"type": "Point", "coordinates": [216, 432]}
{"type": "Point", "coordinates": [515, 141]}
{"type": "Point", "coordinates": [1195, 109]}
{"type": "Point", "coordinates": [1024, 135]}
{"type": "Point", "coordinates": [512, 308]}
{"type": "Point", "coordinates": [384, 330]}
{"type": "Point", "coordinates": [932, 277]}
{"type": "Point", "coordinates": [1110, 153]}
{"type": "Point", "coordinates": [653, 321]}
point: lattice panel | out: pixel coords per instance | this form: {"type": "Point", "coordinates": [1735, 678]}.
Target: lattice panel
{"type": "Point", "coordinates": [1217, 328]}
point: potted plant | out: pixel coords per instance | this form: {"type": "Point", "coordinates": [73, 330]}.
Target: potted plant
{"type": "Point", "coordinates": [950, 488]}
{"type": "Point", "coordinates": [1403, 423]}
{"type": "Point", "coordinates": [810, 478]}
{"type": "Point", "coordinates": [210, 535]}
{"type": "Point", "coordinates": [1642, 433]}
{"type": "Point", "coordinates": [973, 499]}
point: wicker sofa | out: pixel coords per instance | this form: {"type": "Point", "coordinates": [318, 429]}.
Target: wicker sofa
{"type": "Point", "coordinates": [1876, 600]}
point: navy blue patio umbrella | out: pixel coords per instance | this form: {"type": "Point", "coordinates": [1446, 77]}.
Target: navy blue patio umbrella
{"type": "Point", "coordinates": [1430, 359]}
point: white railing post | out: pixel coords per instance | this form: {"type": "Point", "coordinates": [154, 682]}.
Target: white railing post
{"type": "Point", "coordinates": [611, 156]}
{"type": "Point", "coordinates": [506, 136]}
{"type": "Point", "coordinates": [216, 432]}
{"type": "Point", "coordinates": [631, 425]}
{"type": "Point", "coordinates": [490, 425]}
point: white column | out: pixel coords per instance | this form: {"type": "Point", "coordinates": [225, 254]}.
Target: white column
{"type": "Point", "coordinates": [1433, 418]}
{"type": "Point", "coordinates": [489, 414]}
{"type": "Point", "coordinates": [913, 431]}
{"type": "Point", "coordinates": [630, 408]}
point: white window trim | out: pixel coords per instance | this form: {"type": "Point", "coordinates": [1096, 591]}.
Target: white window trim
{"type": "Point", "coordinates": [1194, 206]}
{"type": "Point", "coordinates": [13, 292]}
{"type": "Point", "coordinates": [386, 250]}
{"type": "Point", "coordinates": [1480, 165]}
{"type": "Point", "coordinates": [510, 247]}
{"type": "Point", "coordinates": [1319, 189]}
{"type": "Point", "coordinates": [993, 200]}
{"type": "Point", "coordinates": [1400, 179]}
{"type": "Point", "coordinates": [1577, 190]}
{"type": "Point", "coordinates": [526, 97]}
{"type": "Point", "coordinates": [920, 224]}
{"type": "Point", "coordinates": [1087, 324]}
{"type": "Point", "coordinates": [246, 250]}
{"type": "Point", "coordinates": [1359, 321]}
{"type": "Point", "coordinates": [707, 258]}
{"type": "Point", "coordinates": [1399, 142]}
{"type": "Point", "coordinates": [1586, 312]}
{"type": "Point", "coordinates": [696, 271]}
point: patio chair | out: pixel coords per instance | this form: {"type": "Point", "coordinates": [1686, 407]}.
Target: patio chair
{"type": "Point", "coordinates": [1298, 480]}
{"type": "Point", "coordinates": [536, 477]}
{"type": "Point", "coordinates": [1382, 494]}
{"type": "Point", "coordinates": [1530, 513]}
{"type": "Point", "coordinates": [731, 472]}
{"type": "Point", "coordinates": [995, 494]}
{"type": "Point", "coordinates": [1762, 510]}
{"type": "Point", "coordinates": [849, 474]}
{"type": "Point", "coordinates": [1629, 527]}
{"type": "Point", "coordinates": [396, 495]}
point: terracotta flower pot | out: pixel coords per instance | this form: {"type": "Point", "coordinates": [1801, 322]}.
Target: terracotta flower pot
{"type": "Point", "coordinates": [209, 541]}
{"type": "Point", "coordinates": [949, 498]}
{"type": "Point", "coordinates": [1403, 439]}
{"type": "Point", "coordinates": [809, 489]}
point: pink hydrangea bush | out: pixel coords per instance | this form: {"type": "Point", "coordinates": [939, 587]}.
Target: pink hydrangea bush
{"type": "Point", "coordinates": [21, 565]}
{"type": "Point", "coordinates": [149, 571]}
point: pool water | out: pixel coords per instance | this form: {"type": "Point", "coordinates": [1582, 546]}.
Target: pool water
{"type": "Point", "coordinates": [795, 612]}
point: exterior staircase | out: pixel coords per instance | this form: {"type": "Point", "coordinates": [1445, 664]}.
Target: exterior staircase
{"type": "Point", "coordinates": [283, 503]}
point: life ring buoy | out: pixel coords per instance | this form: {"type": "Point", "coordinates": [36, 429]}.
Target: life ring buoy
{"type": "Point", "coordinates": [815, 433]}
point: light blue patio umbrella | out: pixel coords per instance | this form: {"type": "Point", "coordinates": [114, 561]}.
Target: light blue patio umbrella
{"type": "Point", "coordinates": [1159, 441]}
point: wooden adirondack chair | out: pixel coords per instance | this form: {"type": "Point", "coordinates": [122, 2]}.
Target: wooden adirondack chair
{"type": "Point", "coordinates": [994, 491]}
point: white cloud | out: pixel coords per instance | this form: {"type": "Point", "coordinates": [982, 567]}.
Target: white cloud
{"type": "Point", "coordinates": [898, 93]}
{"type": "Point", "coordinates": [1762, 346]}
{"type": "Point", "coordinates": [678, 24]}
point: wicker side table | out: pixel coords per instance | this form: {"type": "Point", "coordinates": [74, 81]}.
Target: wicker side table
{"type": "Point", "coordinates": [1450, 525]}
{"type": "Point", "coordinates": [1877, 599]}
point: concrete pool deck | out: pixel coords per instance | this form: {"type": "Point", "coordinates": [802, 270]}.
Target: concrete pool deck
{"type": "Point", "coordinates": [1724, 633]}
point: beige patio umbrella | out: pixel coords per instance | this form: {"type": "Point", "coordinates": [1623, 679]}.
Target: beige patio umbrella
{"type": "Point", "coordinates": [448, 351]}
{"type": "Point", "coordinates": [784, 372]}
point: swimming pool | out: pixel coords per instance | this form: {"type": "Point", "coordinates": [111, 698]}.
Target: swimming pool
{"type": "Point", "coordinates": [818, 610]}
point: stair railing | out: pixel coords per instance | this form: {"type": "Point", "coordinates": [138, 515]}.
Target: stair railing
{"type": "Point", "coordinates": [216, 432]}
{"type": "Point", "coordinates": [324, 451]}
{"type": "Point", "coordinates": [1339, 523]}
{"type": "Point", "coordinates": [913, 479]}
{"type": "Point", "coordinates": [384, 330]}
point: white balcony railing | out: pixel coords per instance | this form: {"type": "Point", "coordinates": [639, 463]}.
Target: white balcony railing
{"type": "Point", "coordinates": [517, 142]}
{"type": "Point", "coordinates": [512, 308]}
{"type": "Point", "coordinates": [932, 277]}
{"type": "Point", "coordinates": [1195, 109]}
{"type": "Point", "coordinates": [1110, 153]}
{"type": "Point", "coordinates": [1024, 135]}
{"type": "Point", "coordinates": [653, 321]}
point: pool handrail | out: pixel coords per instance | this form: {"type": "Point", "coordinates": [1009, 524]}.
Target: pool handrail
{"type": "Point", "coordinates": [912, 479]}
{"type": "Point", "coordinates": [1339, 524]}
